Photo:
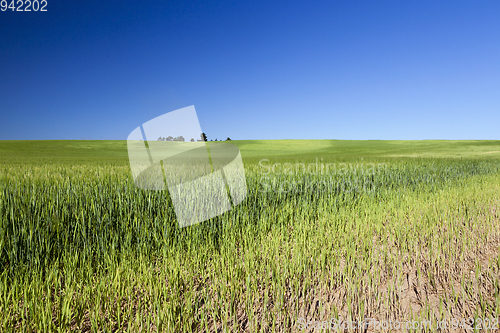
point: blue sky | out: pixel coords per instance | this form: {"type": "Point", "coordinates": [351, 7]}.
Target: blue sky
{"type": "Point", "coordinates": [377, 69]}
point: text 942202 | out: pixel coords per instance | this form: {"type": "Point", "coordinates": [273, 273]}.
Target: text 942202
{"type": "Point", "coordinates": [23, 5]}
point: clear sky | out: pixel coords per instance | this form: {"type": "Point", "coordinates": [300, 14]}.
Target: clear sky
{"type": "Point", "coordinates": [377, 69]}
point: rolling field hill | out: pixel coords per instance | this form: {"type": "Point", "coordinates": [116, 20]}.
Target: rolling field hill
{"type": "Point", "coordinates": [109, 151]}
{"type": "Point", "coordinates": [331, 233]}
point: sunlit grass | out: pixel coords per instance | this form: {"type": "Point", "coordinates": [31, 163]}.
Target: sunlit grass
{"type": "Point", "coordinates": [82, 249]}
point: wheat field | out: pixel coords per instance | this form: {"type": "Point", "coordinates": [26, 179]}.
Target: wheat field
{"type": "Point", "coordinates": [330, 231]}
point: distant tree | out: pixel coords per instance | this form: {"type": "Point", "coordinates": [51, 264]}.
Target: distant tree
{"type": "Point", "coordinates": [215, 139]}
{"type": "Point", "coordinates": [179, 138]}
{"type": "Point", "coordinates": [228, 139]}
{"type": "Point", "coordinates": [160, 139]}
{"type": "Point", "coordinates": [192, 140]}
{"type": "Point", "coordinates": [203, 137]}
{"type": "Point", "coordinates": [169, 138]}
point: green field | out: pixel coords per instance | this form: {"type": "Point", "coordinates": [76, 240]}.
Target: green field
{"type": "Point", "coordinates": [391, 230]}
{"type": "Point", "coordinates": [115, 152]}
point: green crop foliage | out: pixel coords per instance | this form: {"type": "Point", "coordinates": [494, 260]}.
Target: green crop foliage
{"type": "Point", "coordinates": [392, 230]}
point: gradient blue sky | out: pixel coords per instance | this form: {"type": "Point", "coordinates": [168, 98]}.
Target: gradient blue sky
{"type": "Point", "coordinates": [377, 69]}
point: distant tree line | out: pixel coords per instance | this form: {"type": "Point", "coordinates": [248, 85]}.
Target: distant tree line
{"type": "Point", "coordinates": [171, 138]}
{"type": "Point", "coordinates": [203, 137]}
